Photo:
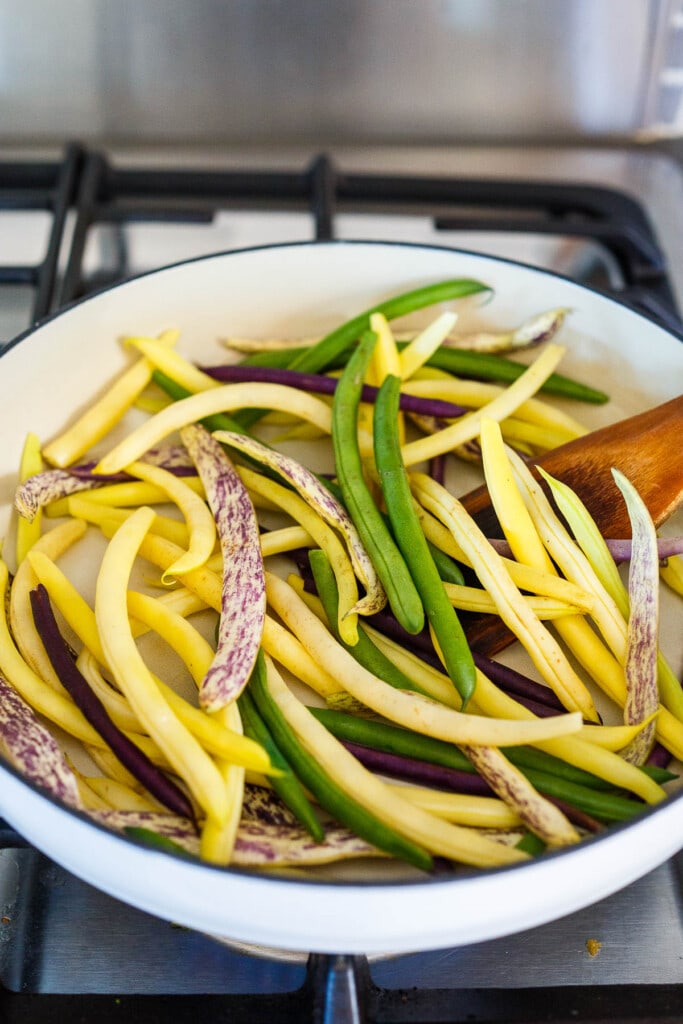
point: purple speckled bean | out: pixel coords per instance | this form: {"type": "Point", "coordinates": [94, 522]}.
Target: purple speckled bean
{"type": "Point", "coordinates": [42, 488]}
{"type": "Point", "coordinates": [50, 485]}
{"type": "Point", "coordinates": [666, 548]}
{"type": "Point", "coordinates": [544, 818]}
{"type": "Point", "coordinates": [243, 595]}
{"type": "Point", "coordinates": [642, 692]}
{"type": "Point", "coordinates": [264, 805]}
{"type": "Point", "coordinates": [256, 844]}
{"type": "Point", "coordinates": [325, 504]}
{"type": "Point", "coordinates": [32, 749]}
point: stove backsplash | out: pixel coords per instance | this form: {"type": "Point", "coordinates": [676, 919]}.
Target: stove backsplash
{"type": "Point", "coordinates": [263, 71]}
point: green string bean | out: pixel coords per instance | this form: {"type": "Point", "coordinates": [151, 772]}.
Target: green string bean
{"type": "Point", "coordinates": [286, 784]}
{"type": "Point", "coordinates": [364, 650]}
{"type": "Point", "coordinates": [381, 547]}
{"type": "Point", "coordinates": [413, 544]}
{"type": "Point", "coordinates": [327, 792]}
{"type": "Point", "coordinates": [318, 357]}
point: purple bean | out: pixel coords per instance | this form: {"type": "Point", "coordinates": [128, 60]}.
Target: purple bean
{"type": "Point", "coordinates": [137, 763]}
{"type": "Point", "coordinates": [321, 384]}
{"type": "Point", "coordinates": [422, 772]}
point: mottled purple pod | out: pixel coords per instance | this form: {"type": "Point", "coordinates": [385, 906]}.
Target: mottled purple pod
{"type": "Point", "coordinates": [33, 750]}
{"type": "Point", "coordinates": [243, 594]}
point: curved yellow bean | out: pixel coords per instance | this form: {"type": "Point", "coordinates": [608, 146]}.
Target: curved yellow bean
{"type": "Point", "coordinates": [104, 414]}
{"type": "Point", "coordinates": [323, 535]}
{"type": "Point", "coordinates": [225, 398]}
{"type": "Point", "coordinates": [50, 546]}
{"type": "Point", "coordinates": [405, 708]}
{"type": "Point", "coordinates": [467, 428]}
{"type": "Point", "coordinates": [28, 532]}
{"type": "Point", "coordinates": [198, 517]}
{"type": "Point", "coordinates": [135, 680]}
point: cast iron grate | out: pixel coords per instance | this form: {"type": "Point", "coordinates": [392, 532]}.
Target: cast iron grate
{"type": "Point", "coordinates": [46, 186]}
{"type": "Point", "coordinates": [116, 196]}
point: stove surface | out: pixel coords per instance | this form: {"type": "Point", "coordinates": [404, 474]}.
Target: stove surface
{"type": "Point", "coordinates": [60, 936]}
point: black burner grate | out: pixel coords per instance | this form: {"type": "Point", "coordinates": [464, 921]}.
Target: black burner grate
{"type": "Point", "coordinates": [111, 195]}
{"type": "Point", "coordinates": [40, 185]}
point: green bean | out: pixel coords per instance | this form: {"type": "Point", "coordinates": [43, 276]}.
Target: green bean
{"type": "Point", "coordinates": [447, 568]}
{"type": "Point", "coordinates": [327, 792]}
{"type": "Point", "coordinates": [461, 363]}
{"type": "Point", "coordinates": [393, 739]}
{"type": "Point", "coordinates": [412, 542]}
{"type": "Point", "coordinates": [364, 650]}
{"type": "Point", "coordinates": [487, 366]}
{"type": "Point", "coordinates": [148, 837]}
{"type": "Point", "coordinates": [402, 595]}
{"type": "Point", "coordinates": [286, 785]}
{"type": "Point", "coordinates": [318, 357]}
{"type": "Point", "coordinates": [531, 843]}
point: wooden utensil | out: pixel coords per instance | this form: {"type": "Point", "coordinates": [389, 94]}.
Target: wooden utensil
{"type": "Point", "coordinates": [647, 448]}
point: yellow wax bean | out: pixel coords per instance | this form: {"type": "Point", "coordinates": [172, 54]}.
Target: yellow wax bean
{"type": "Point", "coordinates": [118, 708]}
{"type": "Point", "coordinates": [96, 512]}
{"type": "Point", "coordinates": [170, 362]}
{"type": "Point", "coordinates": [541, 646]}
{"type": "Point", "coordinates": [198, 517]}
{"type": "Point", "coordinates": [133, 677]}
{"type": "Point", "coordinates": [121, 797]}
{"type": "Point", "coordinates": [284, 648]}
{"type": "Point", "coordinates": [430, 383]}
{"type": "Point", "coordinates": [476, 599]}
{"type": "Point", "coordinates": [225, 398]}
{"type": "Point", "coordinates": [50, 546]}
{"type": "Point", "coordinates": [424, 345]}
{"type": "Point", "coordinates": [29, 532]}
{"type": "Point", "coordinates": [672, 573]}
{"type": "Point", "coordinates": [123, 495]}
{"type": "Point", "coordinates": [289, 538]}
{"type": "Point", "coordinates": [467, 428]}
{"type": "Point", "coordinates": [405, 708]}
{"type": "Point", "coordinates": [385, 360]}
{"type": "Point", "coordinates": [104, 414]}
{"type": "Point", "coordinates": [461, 808]}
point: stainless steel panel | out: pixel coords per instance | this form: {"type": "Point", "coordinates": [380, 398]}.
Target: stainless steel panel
{"type": "Point", "coordinates": [267, 70]}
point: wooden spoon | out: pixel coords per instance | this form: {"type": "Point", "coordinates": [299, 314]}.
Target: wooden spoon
{"type": "Point", "coordinates": [647, 448]}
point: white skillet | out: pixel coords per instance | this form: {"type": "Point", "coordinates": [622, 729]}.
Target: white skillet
{"type": "Point", "coordinates": [53, 370]}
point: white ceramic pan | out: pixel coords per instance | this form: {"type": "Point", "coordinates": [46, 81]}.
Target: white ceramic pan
{"type": "Point", "coordinates": [50, 372]}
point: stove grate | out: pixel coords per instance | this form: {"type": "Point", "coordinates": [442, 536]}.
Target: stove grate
{"type": "Point", "coordinates": [48, 186]}
{"type": "Point", "coordinates": [117, 196]}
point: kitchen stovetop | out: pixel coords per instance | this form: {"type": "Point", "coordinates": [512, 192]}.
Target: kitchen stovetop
{"type": "Point", "coordinates": [75, 221]}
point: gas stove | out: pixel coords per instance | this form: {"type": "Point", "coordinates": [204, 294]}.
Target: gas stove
{"type": "Point", "coordinates": [83, 219]}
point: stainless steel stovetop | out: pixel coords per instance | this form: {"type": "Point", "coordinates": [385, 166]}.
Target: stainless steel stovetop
{"type": "Point", "coordinates": [129, 211]}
